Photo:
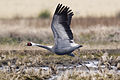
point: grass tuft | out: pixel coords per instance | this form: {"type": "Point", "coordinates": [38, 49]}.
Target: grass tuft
{"type": "Point", "coordinates": [44, 14]}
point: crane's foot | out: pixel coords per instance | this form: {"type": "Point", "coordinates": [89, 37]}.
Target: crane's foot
{"type": "Point", "coordinates": [71, 54]}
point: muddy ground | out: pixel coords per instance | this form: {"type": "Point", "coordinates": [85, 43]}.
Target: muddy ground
{"type": "Point", "coordinates": [41, 64]}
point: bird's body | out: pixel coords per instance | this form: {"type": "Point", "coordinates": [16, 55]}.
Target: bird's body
{"type": "Point", "coordinates": [63, 36]}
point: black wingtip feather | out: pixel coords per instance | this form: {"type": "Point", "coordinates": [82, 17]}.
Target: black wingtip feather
{"type": "Point", "coordinates": [63, 10]}
{"type": "Point", "coordinates": [71, 14]}
{"type": "Point", "coordinates": [58, 8]}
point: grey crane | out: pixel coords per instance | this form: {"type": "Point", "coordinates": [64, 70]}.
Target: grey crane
{"type": "Point", "coordinates": [63, 36]}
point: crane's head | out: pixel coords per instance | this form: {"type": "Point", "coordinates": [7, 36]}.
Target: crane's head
{"type": "Point", "coordinates": [29, 44]}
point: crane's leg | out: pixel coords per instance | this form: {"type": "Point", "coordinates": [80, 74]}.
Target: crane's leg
{"type": "Point", "coordinates": [71, 54]}
{"type": "Point", "coordinates": [78, 50]}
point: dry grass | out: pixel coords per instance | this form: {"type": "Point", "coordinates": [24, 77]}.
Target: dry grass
{"type": "Point", "coordinates": [106, 73]}
{"type": "Point", "coordinates": [93, 33]}
{"type": "Point", "coordinates": [82, 75]}
{"type": "Point", "coordinates": [26, 62]}
{"type": "Point", "coordinates": [90, 32]}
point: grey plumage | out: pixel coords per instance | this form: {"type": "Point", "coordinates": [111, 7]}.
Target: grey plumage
{"type": "Point", "coordinates": [63, 36]}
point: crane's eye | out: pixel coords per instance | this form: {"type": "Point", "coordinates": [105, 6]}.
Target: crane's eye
{"type": "Point", "coordinates": [29, 44]}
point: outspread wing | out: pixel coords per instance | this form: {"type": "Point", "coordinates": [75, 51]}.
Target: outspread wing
{"type": "Point", "coordinates": [61, 25]}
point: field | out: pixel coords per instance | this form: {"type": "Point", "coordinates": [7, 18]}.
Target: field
{"type": "Point", "coordinates": [90, 32]}
{"type": "Point", "coordinates": [95, 25]}
{"type": "Point", "coordinates": [31, 8]}
{"type": "Point", "coordinates": [98, 59]}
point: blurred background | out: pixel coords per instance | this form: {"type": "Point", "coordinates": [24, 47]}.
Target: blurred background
{"type": "Point", "coordinates": [83, 8]}
{"type": "Point", "coordinates": [95, 24]}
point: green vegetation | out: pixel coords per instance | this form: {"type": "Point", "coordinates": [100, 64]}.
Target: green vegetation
{"type": "Point", "coordinates": [44, 14]}
{"type": "Point", "coordinates": [118, 15]}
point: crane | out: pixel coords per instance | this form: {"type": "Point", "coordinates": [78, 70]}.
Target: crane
{"type": "Point", "coordinates": [63, 36]}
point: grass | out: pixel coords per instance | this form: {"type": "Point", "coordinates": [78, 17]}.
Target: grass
{"type": "Point", "coordinates": [87, 31]}
{"type": "Point", "coordinates": [44, 14]}
{"type": "Point", "coordinates": [102, 74]}
{"type": "Point", "coordinates": [97, 35]}
{"type": "Point", "coordinates": [29, 58]}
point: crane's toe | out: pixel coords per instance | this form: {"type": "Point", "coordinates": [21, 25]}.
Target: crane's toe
{"type": "Point", "coordinates": [71, 54]}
